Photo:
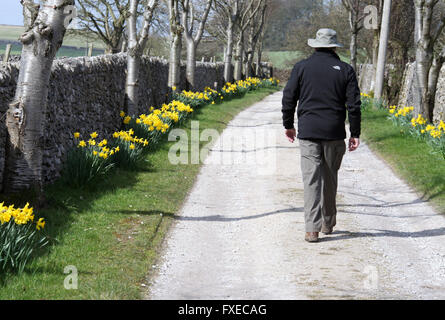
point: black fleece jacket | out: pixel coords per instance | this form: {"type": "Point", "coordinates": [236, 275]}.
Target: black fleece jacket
{"type": "Point", "coordinates": [325, 88]}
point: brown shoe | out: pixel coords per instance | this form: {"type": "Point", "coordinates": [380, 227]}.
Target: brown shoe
{"type": "Point", "coordinates": [311, 237]}
{"type": "Point", "coordinates": [326, 230]}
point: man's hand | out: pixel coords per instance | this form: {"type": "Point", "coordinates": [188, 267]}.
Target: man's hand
{"type": "Point", "coordinates": [353, 144]}
{"type": "Point", "coordinates": [291, 134]}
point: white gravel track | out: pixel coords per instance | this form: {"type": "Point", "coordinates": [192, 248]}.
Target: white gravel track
{"type": "Point", "coordinates": [240, 232]}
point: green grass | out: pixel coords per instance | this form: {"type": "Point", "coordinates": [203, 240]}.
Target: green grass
{"type": "Point", "coordinates": [112, 232]}
{"type": "Point", "coordinates": [283, 59]}
{"type": "Point", "coordinates": [410, 159]}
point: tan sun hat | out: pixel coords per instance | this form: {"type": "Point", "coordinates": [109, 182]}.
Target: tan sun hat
{"type": "Point", "coordinates": [326, 38]}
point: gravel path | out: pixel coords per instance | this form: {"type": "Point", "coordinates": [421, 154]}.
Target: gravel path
{"type": "Point", "coordinates": [240, 233]}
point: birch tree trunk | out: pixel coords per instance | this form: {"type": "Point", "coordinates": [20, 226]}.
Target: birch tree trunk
{"type": "Point", "coordinates": [191, 65]}
{"type": "Point", "coordinates": [45, 28]}
{"type": "Point", "coordinates": [259, 70]}
{"type": "Point", "coordinates": [188, 20]}
{"type": "Point", "coordinates": [375, 56]}
{"type": "Point", "coordinates": [255, 32]}
{"type": "Point", "coordinates": [133, 62]}
{"type": "Point", "coordinates": [380, 72]}
{"type": "Point", "coordinates": [427, 63]}
{"type": "Point", "coordinates": [176, 31]}
{"type": "Point", "coordinates": [175, 60]}
{"type": "Point", "coordinates": [239, 57]}
{"type": "Point", "coordinates": [356, 16]}
{"type": "Point", "coordinates": [375, 44]}
{"type": "Point", "coordinates": [228, 76]}
{"type": "Point", "coordinates": [136, 45]}
{"type": "Point", "coordinates": [353, 48]}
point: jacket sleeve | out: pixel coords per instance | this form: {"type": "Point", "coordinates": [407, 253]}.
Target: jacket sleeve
{"type": "Point", "coordinates": [353, 104]}
{"type": "Point", "coordinates": [291, 95]}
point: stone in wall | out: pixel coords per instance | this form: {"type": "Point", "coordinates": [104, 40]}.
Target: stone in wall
{"type": "Point", "coordinates": [410, 95]}
{"type": "Point", "coordinates": [366, 77]}
{"type": "Point", "coordinates": [439, 108]}
{"type": "Point", "coordinates": [8, 81]}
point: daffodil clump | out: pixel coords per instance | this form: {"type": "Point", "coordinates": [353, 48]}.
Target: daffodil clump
{"type": "Point", "coordinates": [152, 126]}
{"type": "Point", "coordinates": [95, 147]}
{"type": "Point", "coordinates": [229, 91]}
{"type": "Point", "coordinates": [419, 127]}
{"type": "Point", "coordinates": [90, 159]}
{"type": "Point", "coordinates": [20, 236]}
{"type": "Point", "coordinates": [271, 82]}
{"type": "Point", "coordinates": [147, 130]}
{"type": "Point", "coordinates": [367, 101]}
{"type": "Point", "coordinates": [131, 149]}
{"type": "Point", "coordinates": [197, 99]}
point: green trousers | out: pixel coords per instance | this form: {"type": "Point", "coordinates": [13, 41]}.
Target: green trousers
{"type": "Point", "coordinates": [320, 162]}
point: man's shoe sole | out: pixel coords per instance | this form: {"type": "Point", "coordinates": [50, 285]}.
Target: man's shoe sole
{"type": "Point", "coordinates": [327, 231]}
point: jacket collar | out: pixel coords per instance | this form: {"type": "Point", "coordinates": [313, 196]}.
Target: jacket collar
{"type": "Point", "coordinates": [325, 53]}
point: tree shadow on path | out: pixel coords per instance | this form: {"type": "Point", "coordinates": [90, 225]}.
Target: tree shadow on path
{"type": "Point", "coordinates": [345, 235]}
{"type": "Point", "coordinates": [222, 218]}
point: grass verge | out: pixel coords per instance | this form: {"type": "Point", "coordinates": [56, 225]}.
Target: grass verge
{"type": "Point", "coordinates": [112, 232]}
{"type": "Point", "coordinates": [410, 158]}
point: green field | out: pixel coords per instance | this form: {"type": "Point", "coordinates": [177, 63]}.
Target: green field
{"type": "Point", "coordinates": [73, 45]}
{"type": "Point", "coordinates": [283, 59]}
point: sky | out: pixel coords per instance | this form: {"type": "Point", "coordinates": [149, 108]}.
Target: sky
{"type": "Point", "coordinates": [11, 12]}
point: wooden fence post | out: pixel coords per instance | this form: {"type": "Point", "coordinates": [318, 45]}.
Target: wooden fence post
{"type": "Point", "coordinates": [90, 50]}
{"type": "Point", "coordinates": [7, 53]}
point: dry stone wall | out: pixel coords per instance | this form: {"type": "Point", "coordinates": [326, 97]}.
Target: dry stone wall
{"type": "Point", "coordinates": [86, 94]}
{"type": "Point", "coordinates": [409, 93]}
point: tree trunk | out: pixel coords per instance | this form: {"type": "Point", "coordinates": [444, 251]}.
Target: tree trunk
{"type": "Point", "coordinates": [432, 86]}
{"type": "Point", "coordinates": [113, 49]}
{"type": "Point", "coordinates": [239, 57]}
{"type": "Point", "coordinates": [249, 64]}
{"type": "Point", "coordinates": [250, 52]}
{"type": "Point", "coordinates": [25, 116]}
{"type": "Point", "coordinates": [175, 61]}
{"type": "Point", "coordinates": [381, 64]}
{"type": "Point", "coordinates": [132, 85]}
{"type": "Point", "coordinates": [375, 55]}
{"type": "Point", "coordinates": [133, 62]}
{"type": "Point", "coordinates": [425, 62]}
{"type": "Point", "coordinates": [423, 65]}
{"type": "Point", "coordinates": [191, 65]}
{"type": "Point", "coordinates": [353, 48]}
{"type": "Point", "coordinates": [259, 57]}
{"type": "Point", "coordinates": [176, 31]}
{"type": "Point", "coordinates": [228, 77]}
{"type": "Point", "coordinates": [136, 45]}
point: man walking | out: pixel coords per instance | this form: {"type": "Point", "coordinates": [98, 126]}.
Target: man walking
{"type": "Point", "coordinates": [325, 88]}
